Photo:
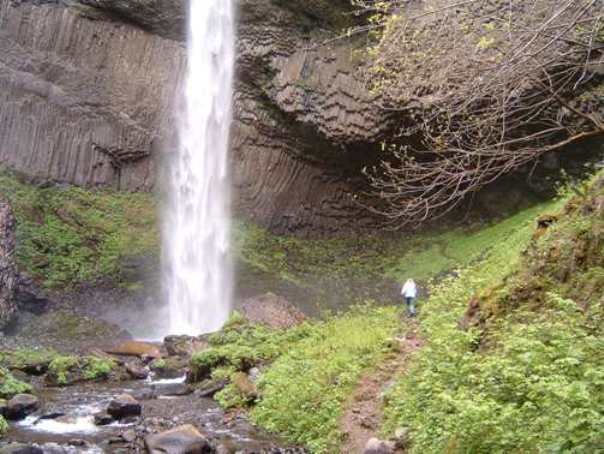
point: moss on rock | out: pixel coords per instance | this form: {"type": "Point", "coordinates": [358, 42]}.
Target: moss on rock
{"type": "Point", "coordinates": [69, 370]}
{"type": "Point", "coordinates": [68, 235]}
{"type": "Point", "coordinates": [10, 386]}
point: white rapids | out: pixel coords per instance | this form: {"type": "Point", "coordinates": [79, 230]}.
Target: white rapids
{"type": "Point", "coordinates": [197, 267]}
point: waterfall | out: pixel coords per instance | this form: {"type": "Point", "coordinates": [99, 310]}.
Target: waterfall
{"type": "Point", "coordinates": [197, 268]}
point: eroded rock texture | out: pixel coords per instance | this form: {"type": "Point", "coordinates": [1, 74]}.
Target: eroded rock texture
{"type": "Point", "coordinates": [89, 88]}
{"type": "Point", "coordinates": [8, 272]}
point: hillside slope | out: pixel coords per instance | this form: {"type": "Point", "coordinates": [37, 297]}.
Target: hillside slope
{"type": "Point", "coordinates": [521, 370]}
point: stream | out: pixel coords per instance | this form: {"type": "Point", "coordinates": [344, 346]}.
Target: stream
{"type": "Point", "coordinates": [65, 422]}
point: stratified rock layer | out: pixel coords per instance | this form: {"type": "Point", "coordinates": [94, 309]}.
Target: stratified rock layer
{"type": "Point", "coordinates": [89, 90]}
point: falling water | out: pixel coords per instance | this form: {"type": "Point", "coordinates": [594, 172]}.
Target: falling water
{"type": "Point", "coordinates": [197, 267]}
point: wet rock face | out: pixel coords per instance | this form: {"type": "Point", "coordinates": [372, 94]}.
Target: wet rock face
{"type": "Point", "coordinates": [21, 405]}
{"type": "Point", "coordinates": [91, 101]}
{"type": "Point", "coordinates": [123, 406]}
{"type": "Point", "coordinates": [8, 272]}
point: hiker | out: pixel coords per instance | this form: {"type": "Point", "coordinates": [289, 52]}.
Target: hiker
{"type": "Point", "coordinates": [409, 293]}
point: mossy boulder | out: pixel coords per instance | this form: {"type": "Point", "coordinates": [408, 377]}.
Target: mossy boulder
{"type": "Point", "coordinates": [245, 386]}
{"type": "Point", "coordinates": [10, 386]}
{"type": "Point", "coordinates": [69, 370]}
{"type": "Point", "coordinates": [30, 361]}
{"type": "Point", "coordinates": [231, 357]}
{"type": "Point", "coordinates": [170, 367]}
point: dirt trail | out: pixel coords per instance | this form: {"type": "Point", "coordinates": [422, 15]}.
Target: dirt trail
{"type": "Point", "coordinates": [363, 413]}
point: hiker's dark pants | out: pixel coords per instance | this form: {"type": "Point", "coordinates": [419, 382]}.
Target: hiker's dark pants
{"type": "Point", "coordinates": [410, 302]}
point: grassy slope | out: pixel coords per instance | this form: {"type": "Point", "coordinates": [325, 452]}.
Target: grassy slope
{"type": "Point", "coordinates": [422, 256]}
{"type": "Point", "coordinates": [68, 235]}
{"type": "Point", "coordinates": [529, 376]}
{"type": "Point", "coordinates": [303, 390]}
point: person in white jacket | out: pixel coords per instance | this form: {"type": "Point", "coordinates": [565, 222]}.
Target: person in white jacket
{"type": "Point", "coordinates": [409, 293]}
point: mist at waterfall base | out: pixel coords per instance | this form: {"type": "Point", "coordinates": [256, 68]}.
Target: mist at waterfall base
{"type": "Point", "coordinates": [197, 271]}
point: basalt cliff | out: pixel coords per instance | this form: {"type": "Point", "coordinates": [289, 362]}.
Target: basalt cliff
{"type": "Point", "coordinates": [89, 91]}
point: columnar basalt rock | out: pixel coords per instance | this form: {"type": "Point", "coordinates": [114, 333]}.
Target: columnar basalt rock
{"type": "Point", "coordinates": [89, 91]}
{"type": "Point", "coordinates": [83, 101]}
{"type": "Point", "coordinates": [8, 271]}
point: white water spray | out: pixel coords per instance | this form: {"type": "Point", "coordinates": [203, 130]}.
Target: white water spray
{"type": "Point", "coordinates": [197, 267]}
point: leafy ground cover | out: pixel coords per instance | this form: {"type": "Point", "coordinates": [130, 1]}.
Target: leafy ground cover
{"type": "Point", "coordinates": [306, 372]}
{"type": "Point", "coordinates": [309, 372]}
{"type": "Point", "coordinates": [527, 376]}
{"type": "Point", "coordinates": [303, 392]}
{"type": "Point", "coordinates": [68, 235]}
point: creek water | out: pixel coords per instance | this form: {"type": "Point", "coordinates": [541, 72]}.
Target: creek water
{"type": "Point", "coordinates": [163, 402]}
{"type": "Point", "coordinates": [197, 268]}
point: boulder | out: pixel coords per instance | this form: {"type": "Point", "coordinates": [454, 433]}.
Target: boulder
{"type": "Point", "coordinates": [29, 297]}
{"type": "Point", "coordinates": [184, 345]}
{"type": "Point", "coordinates": [171, 367]}
{"type": "Point", "coordinates": [209, 387]}
{"type": "Point", "coordinates": [103, 419]}
{"type": "Point", "coordinates": [8, 270]}
{"type": "Point", "coordinates": [245, 386]}
{"type": "Point", "coordinates": [129, 436]}
{"type": "Point", "coordinates": [135, 348]}
{"type": "Point", "coordinates": [180, 440]}
{"type": "Point", "coordinates": [123, 406]}
{"type": "Point", "coordinates": [271, 310]}
{"type": "Point", "coordinates": [21, 406]}
{"type": "Point", "coordinates": [137, 371]}
{"type": "Point", "coordinates": [375, 446]}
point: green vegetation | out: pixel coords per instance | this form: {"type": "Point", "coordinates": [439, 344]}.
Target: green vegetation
{"type": "Point", "coordinates": [27, 358]}
{"type": "Point", "coordinates": [303, 392]}
{"type": "Point", "coordinates": [10, 386]}
{"type": "Point", "coordinates": [240, 346]}
{"type": "Point", "coordinates": [3, 426]}
{"type": "Point", "coordinates": [308, 371]}
{"type": "Point", "coordinates": [158, 364]}
{"type": "Point", "coordinates": [96, 368]}
{"type": "Point", "coordinates": [66, 370]}
{"type": "Point", "coordinates": [422, 256]}
{"type": "Point", "coordinates": [68, 235]}
{"type": "Point", "coordinates": [60, 367]}
{"type": "Point", "coordinates": [528, 374]}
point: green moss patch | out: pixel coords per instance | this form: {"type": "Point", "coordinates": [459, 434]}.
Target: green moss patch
{"type": "Point", "coordinates": [68, 235]}
{"type": "Point", "coordinates": [10, 386]}
{"type": "Point", "coordinates": [29, 360]}
{"type": "Point", "coordinates": [371, 260]}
